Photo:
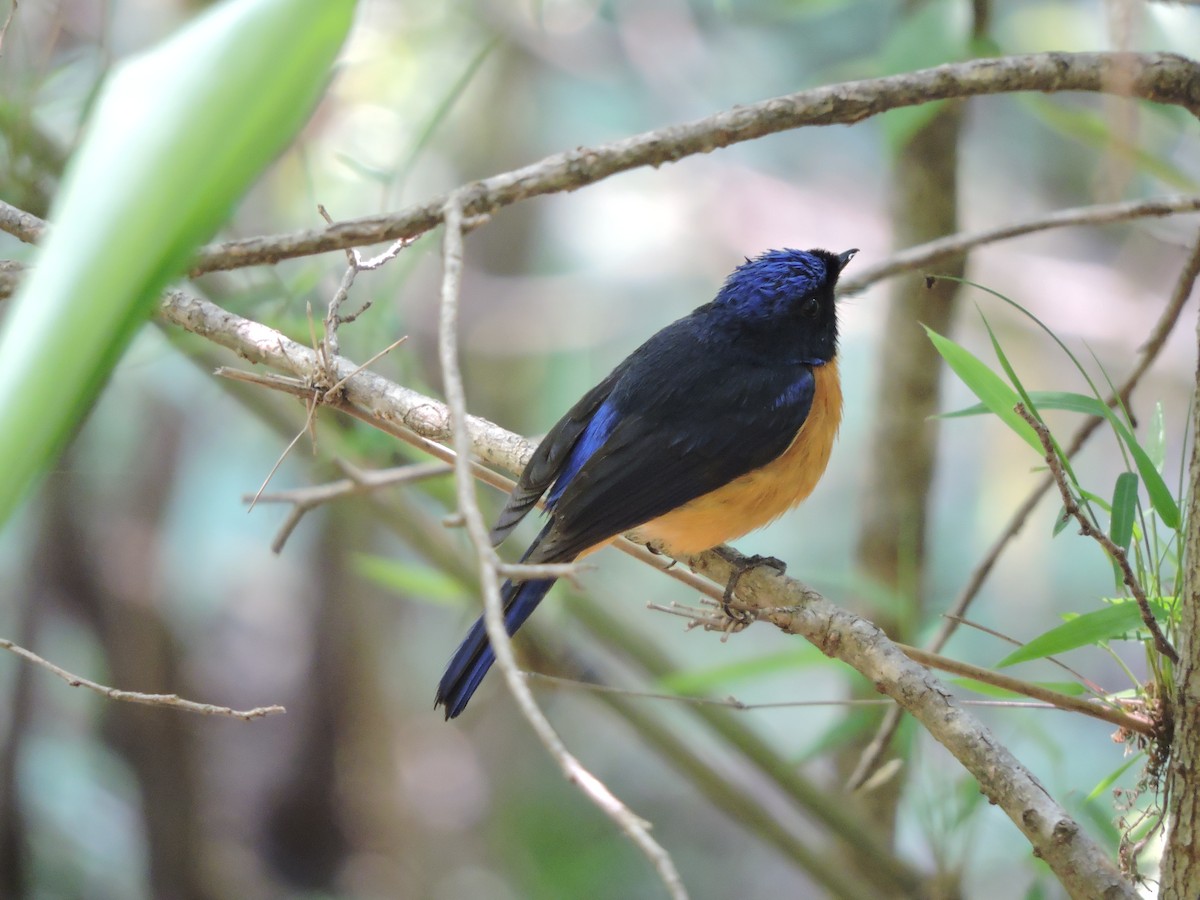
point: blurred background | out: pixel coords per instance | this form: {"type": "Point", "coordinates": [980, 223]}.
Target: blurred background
{"type": "Point", "coordinates": [136, 563]}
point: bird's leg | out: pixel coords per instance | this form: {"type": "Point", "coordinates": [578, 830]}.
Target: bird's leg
{"type": "Point", "coordinates": [741, 565]}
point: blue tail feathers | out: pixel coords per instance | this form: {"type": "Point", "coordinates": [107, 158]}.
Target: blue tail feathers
{"type": "Point", "coordinates": [474, 655]}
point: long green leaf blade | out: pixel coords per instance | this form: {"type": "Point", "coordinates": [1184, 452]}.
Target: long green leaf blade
{"type": "Point", "coordinates": [1084, 630]}
{"type": "Point", "coordinates": [989, 387]}
{"type": "Point", "coordinates": [176, 136]}
{"type": "Point", "coordinates": [1124, 509]}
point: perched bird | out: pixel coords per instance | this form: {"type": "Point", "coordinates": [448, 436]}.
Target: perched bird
{"type": "Point", "coordinates": [713, 427]}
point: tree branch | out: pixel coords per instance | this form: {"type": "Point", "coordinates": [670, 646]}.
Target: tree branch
{"type": "Point", "coordinates": [1158, 77]}
{"type": "Point", "coordinates": [1079, 863]}
{"type": "Point", "coordinates": [170, 700]}
{"type": "Point", "coordinates": [931, 252]}
{"type": "Point", "coordinates": [1149, 351]}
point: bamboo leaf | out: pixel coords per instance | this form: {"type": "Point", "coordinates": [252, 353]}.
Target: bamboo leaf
{"type": "Point", "coordinates": [1087, 629]}
{"type": "Point", "coordinates": [176, 136]}
{"type": "Point", "coordinates": [997, 397]}
{"type": "Point", "coordinates": [1124, 509]}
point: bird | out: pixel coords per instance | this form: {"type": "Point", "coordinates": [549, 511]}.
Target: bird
{"type": "Point", "coordinates": [715, 426]}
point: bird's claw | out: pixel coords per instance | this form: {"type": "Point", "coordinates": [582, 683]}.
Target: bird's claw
{"type": "Point", "coordinates": [741, 565]}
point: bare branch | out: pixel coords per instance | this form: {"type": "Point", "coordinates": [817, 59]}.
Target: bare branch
{"type": "Point", "coordinates": [1080, 864]}
{"type": "Point", "coordinates": [1159, 77]}
{"type": "Point", "coordinates": [170, 700]}
{"type": "Point", "coordinates": [934, 251]}
{"type": "Point", "coordinates": [594, 789]}
{"type": "Point", "coordinates": [1124, 716]}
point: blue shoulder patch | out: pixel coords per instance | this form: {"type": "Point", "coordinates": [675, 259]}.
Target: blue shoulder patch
{"type": "Point", "coordinates": [799, 393]}
{"type": "Point", "coordinates": [598, 429]}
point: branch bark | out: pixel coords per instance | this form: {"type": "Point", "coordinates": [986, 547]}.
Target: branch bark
{"type": "Point", "coordinates": [1181, 857]}
{"type": "Point", "coordinates": [1158, 77]}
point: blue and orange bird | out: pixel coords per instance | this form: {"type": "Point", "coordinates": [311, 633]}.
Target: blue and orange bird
{"type": "Point", "coordinates": [715, 426]}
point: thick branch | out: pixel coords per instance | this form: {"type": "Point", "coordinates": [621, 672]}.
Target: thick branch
{"type": "Point", "coordinates": [1159, 77]}
{"type": "Point", "coordinates": [1081, 865]}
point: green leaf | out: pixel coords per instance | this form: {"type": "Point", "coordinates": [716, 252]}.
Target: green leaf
{"type": "Point", "coordinates": [1061, 521]}
{"type": "Point", "coordinates": [413, 581]}
{"type": "Point", "coordinates": [997, 397]}
{"type": "Point", "coordinates": [1160, 495]}
{"type": "Point", "coordinates": [1156, 438]}
{"type": "Point", "coordinates": [1084, 630]}
{"type": "Point", "coordinates": [175, 138]}
{"type": "Point", "coordinates": [1111, 779]}
{"type": "Point", "coordinates": [1124, 509]}
{"type": "Point", "coordinates": [699, 681]}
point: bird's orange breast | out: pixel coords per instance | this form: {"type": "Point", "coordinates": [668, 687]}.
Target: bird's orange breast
{"type": "Point", "coordinates": [764, 494]}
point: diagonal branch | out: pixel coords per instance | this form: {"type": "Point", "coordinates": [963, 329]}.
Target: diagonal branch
{"type": "Point", "coordinates": [1158, 77]}
{"type": "Point", "coordinates": [1088, 529]}
{"type": "Point", "coordinates": [943, 248]}
{"type": "Point", "coordinates": [1079, 863]}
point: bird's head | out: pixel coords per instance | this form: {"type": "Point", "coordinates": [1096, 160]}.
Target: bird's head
{"type": "Point", "coordinates": [785, 297]}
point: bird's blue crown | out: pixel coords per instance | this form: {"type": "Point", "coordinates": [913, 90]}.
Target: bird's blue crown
{"type": "Point", "coordinates": [771, 283]}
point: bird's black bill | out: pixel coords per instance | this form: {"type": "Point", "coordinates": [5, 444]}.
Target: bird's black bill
{"type": "Point", "coordinates": [844, 258]}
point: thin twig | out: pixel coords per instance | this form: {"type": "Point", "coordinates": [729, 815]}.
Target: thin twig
{"type": "Point", "coordinates": [169, 700]}
{"type": "Point", "coordinates": [1053, 660]}
{"type": "Point", "coordinates": [356, 263]}
{"type": "Point", "coordinates": [308, 498]}
{"type": "Point", "coordinates": [737, 705]}
{"type": "Point", "coordinates": [1105, 710]}
{"type": "Point", "coordinates": [1160, 77]}
{"type": "Point", "coordinates": [934, 251]}
{"type": "Point", "coordinates": [310, 413]}
{"type": "Point", "coordinates": [596, 791]}
{"type": "Point", "coordinates": [8, 20]}
{"type": "Point", "coordinates": [1088, 529]}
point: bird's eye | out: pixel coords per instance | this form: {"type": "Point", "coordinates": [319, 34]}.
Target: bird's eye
{"type": "Point", "coordinates": [810, 307]}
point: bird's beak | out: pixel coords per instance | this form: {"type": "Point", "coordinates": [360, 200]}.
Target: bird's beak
{"type": "Point", "coordinates": [844, 258]}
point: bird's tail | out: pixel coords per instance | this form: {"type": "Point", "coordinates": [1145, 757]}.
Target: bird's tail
{"type": "Point", "coordinates": [474, 655]}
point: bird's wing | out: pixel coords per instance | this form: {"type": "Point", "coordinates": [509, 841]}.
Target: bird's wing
{"type": "Point", "coordinates": [551, 455]}
{"type": "Point", "coordinates": [671, 448]}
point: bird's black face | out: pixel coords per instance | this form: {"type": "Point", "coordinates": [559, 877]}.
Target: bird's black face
{"type": "Point", "coordinates": [784, 298]}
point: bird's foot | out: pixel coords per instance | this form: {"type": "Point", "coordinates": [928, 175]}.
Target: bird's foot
{"type": "Point", "coordinates": [741, 565]}
{"type": "Point", "coordinates": [658, 549]}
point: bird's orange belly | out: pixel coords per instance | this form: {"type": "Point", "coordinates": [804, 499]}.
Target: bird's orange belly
{"type": "Point", "coordinates": [764, 494]}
